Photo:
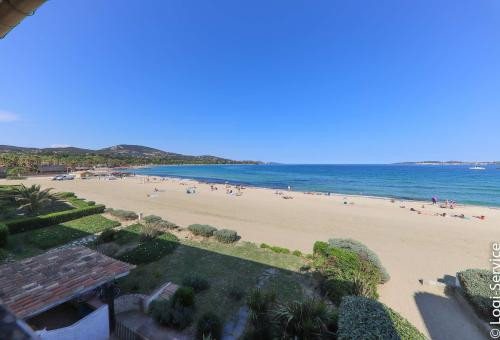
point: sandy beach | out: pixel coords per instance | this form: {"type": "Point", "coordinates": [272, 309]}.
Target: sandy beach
{"type": "Point", "coordinates": [412, 246]}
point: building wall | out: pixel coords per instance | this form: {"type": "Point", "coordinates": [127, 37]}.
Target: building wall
{"type": "Point", "coordinates": [94, 326]}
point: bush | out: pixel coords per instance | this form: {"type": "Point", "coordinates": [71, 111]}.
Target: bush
{"type": "Point", "coordinates": [362, 318]}
{"type": "Point", "coordinates": [31, 223]}
{"type": "Point", "coordinates": [308, 319]}
{"type": "Point", "coordinates": [90, 202]}
{"type": "Point", "coordinates": [210, 325]}
{"type": "Point", "coordinates": [152, 250]}
{"type": "Point", "coordinates": [297, 253]}
{"type": "Point", "coordinates": [171, 314]}
{"type": "Point", "coordinates": [265, 246]}
{"type": "Point", "coordinates": [226, 236]}
{"type": "Point", "coordinates": [149, 232]}
{"type": "Point", "coordinates": [280, 250]}
{"type": "Point", "coordinates": [106, 236]}
{"type": "Point", "coordinates": [363, 251]}
{"type": "Point", "coordinates": [184, 296]}
{"type": "Point", "coordinates": [197, 283]}
{"type": "Point", "coordinates": [4, 234]}
{"type": "Point", "coordinates": [151, 219]}
{"type": "Point", "coordinates": [260, 305]}
{"type": "Point", "coordinates": [202, 230]}
{"type": "Point", "coordinates": [340, 268]}
{"type": "Point", "coordinates": [476, 286]}
{"type": "Point", "coordinates": [124, 215]}
{"type": "Point", "coordinates": [3, 255]}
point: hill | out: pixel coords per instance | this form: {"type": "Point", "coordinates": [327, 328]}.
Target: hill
{"type": "Point", "coordinates": [118, 155]}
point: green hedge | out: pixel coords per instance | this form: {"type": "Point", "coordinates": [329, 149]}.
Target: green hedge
{"type": "Point", "coordinates": [4, 233]}
{"type": "Point", "coordinates": [31, 223]}
{"type": "Point", "coordinates": [226, 235]}
{"type": "Point", "coordinates": [362, 318]}
{"type": "Point", "coordinates": [476, 286]}
{"type": "Point", "coordinates": [202, 229]}
{"type": "Point", "coordinates": [343, 271]}
{"type": "Point", "coordinates": [363, 251]}
{"type": "Point", "coordinates": [151, 250]}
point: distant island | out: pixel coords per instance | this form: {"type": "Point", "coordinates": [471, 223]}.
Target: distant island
{"type": "Point", "coordinates": [447, 163]}
{"type": "Point", "coordinates": [15, 160]}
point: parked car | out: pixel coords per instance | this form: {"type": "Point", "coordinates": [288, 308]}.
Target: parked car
{"type": "Point", "coordinates": [68, 177]}
{"type": "Point", "coordinates": [58, 178]}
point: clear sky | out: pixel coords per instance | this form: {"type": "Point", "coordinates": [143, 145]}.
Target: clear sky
{"type": "Point", "coordinates": [288, 81]}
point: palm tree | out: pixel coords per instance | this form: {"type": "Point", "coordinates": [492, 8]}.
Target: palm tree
{"type": "Point", "coordinates": [32, 198]}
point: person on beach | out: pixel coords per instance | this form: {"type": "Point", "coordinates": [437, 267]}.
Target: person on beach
{"type": "Point", "coordinates": [434, 200]}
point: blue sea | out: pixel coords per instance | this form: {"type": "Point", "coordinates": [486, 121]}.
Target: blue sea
{"type": "Point", "coordinates": [417, 182]}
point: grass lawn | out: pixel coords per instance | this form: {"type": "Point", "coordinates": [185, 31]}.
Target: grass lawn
{"type": "Point", "coordinates": [226, 267]}
{"type": "Point", "coordinates": [34, 242]}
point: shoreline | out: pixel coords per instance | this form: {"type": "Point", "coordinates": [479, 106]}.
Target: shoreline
{"type": "Point", "coordinates": [314, 193]}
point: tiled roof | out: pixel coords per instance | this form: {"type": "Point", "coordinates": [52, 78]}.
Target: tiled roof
{"type": "Point", "coordinates": [31, 286]}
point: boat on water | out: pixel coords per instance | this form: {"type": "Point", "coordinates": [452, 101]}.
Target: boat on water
{"type": "Point", "coordinates": [477, 167]}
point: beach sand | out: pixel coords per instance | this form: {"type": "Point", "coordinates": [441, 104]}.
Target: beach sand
{"type": "Point", "coordinates": [412, 246]}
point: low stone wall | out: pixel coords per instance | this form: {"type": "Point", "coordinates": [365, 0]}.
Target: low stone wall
{"type": "Point", "coordinates": [130, 302]}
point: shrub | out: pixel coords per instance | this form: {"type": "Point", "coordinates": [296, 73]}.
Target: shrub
{"type": "Point", "coordinates": [280, 250]}
{"type": "Point", "coordinates": [265, 246]}
{"type": "Point", "coordinates": [124, 215]}
{"type": "Point", "coordinates": [149, 232]}
{"type": "Point", "coordinates": [297, 253]}
{"type": "Point", "coordinates": [226, 236]}
{"type": "Point", "coordinates": [151, 219]}
{"type": "Point", "coordinates": [106, 236]}
{"type": "Point", "coordinates": [152, 250]}
{"type": "Point", "coordinates": [338, 269]}
{"type": "Point", "coordinates": [202, 230]}
{"type": "Point", "coordinates": [31, 223]}
{"type": "Point", "coordinates": [169, 313]}
{"type": "Point", "coordinates": [90, 202]}
{"type": "Point", "coordinates": [184, 296]}
{"type": "Point", "coordinates": [308, 319]}
{"type": "Point", "coordinates": [476, 286]}
{"type": "Point", "coordinates": [260, 305]}
{"type": "Point", "coordinates": [363, 251]}
{"type": "Point", "coordinates": [362, 318]}
{"type": "Point", "coordinates": [197, 283]}
{"type": "Point", "coordinates": [210, 325]}
{"type": "Point", "coordinates": [4, 234]}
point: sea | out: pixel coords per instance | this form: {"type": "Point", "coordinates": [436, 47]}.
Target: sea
{"type": "Point", "coordinates": [412, 182]}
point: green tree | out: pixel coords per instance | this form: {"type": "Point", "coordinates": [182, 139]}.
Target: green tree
{"type": "Point", "coordinates": [32, 198]}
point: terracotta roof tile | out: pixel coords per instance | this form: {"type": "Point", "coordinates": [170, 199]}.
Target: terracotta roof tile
{"type": "Point", "coordinates": [33, 285]}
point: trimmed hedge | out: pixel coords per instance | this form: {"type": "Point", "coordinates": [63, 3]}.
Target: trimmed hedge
{"type": "Point", "coordinates": [343, 272]}
{"type": "Point", "coordinates": [476, 286]}
{"type": "Point", "coordinates": [151, 250]}
{"type": "Point", "coordinates": [363, 251]}
{"type": "Point", "coordinates": [202, 229]}
{"type": "Point", "coordinates": [4, 233]}
{"type": "Point", "coordinates": [362, 318]}
{"type": "Point", "coordinates": [226, 235]}
{"type": "Point", "coordinates": [37, 222]}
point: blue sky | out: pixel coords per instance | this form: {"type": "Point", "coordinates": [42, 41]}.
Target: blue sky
{"type": "Point", "coordinates": [287, 81]}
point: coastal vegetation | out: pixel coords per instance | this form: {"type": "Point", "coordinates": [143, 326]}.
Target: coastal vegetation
{"type": "Point", "coordinates": [20, 161]}
{"type": "Point", "coordinates": [476, 287]}
{"type": "Point", "coordinates": [363, 318]}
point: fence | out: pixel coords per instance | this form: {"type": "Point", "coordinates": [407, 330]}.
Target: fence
{"type": "Point", "coordinates": [122, 332]}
